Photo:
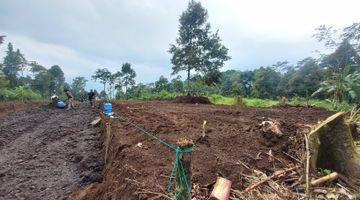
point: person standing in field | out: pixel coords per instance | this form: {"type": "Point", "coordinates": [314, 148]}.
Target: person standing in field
{"type": "Point", "coordinates": [92, 96]}
{"type": "Point", "coordinates": [70, 99]}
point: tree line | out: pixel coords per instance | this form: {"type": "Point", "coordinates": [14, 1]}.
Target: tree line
{"type": "Point", "coordinates": [23, 79]}
{"type": "Point", "coordinates": [197, 50]}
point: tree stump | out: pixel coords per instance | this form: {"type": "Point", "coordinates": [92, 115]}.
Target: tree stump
{"type": "Point", "coordinates": [332, 147]}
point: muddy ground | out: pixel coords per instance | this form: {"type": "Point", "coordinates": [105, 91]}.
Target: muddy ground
{"type": "Point", "coordinates": [46, 153]}
{"type": "Point", "coordinates": [13, 106]}
{"type": "Point", "coordinates": [138, 166]}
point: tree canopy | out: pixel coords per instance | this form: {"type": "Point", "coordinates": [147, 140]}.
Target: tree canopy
{"type": "Point", "coordinates": [197, 48]}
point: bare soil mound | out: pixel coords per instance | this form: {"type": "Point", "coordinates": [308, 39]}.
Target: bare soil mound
{"type": "Point", "coordinates": [138, 166]}
{"type": "Point", "coordinates": [46, 153]}
{"type": "Point", "coordinates": [192, 100]}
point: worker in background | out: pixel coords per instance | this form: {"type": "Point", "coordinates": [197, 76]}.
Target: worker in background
{"type": "Point", "coordinates": [54, 100]}
{"type": "Point", "coordinates": [92, 96]}
{"type": "Point", "coordinates": [70, 99]}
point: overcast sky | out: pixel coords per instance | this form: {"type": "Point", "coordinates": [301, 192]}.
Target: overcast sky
{"type": "Point", "coordinates": [83, 35]}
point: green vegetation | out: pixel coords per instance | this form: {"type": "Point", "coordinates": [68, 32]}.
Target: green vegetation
{"type": "Point", "coordinates": [19, 93]}
{"type": "Point", "coordinates": [23, 80]}
{"type": "Point", "coordinates": [254, 102]}
{"type": "Point", "coordinates": [199, 53]}
{"type": "Point", "coordinates": [197, 48]}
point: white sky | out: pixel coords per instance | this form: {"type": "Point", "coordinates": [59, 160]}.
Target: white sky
{"type": "Point", "coordinates": [83, 35]}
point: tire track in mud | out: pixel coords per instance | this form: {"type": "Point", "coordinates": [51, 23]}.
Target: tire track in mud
{"type": "Point", "coordinates": [47, 153]}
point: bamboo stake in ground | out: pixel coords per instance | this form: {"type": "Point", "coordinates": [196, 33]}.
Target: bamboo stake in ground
{"type": "Point", "coordinates": [203, 131]}
{"type": "Point", "coordinates": [186, 161]}
{"type": "Point", "coordinates": [307, 163]}
{"type": "Point", "coordinates": [239, 104]}
{"type": "Point", "coordinates": [107, 138]}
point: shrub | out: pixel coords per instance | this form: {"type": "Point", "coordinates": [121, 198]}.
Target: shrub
{"type": "Point", "coordinates": [19, 93]}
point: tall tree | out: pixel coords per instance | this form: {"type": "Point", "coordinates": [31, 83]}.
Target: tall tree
{"type": "Point", "coordinates": [13, 63]}
{"type": "Point", "coordinates": [196, 47]}
{"type": "Point", "coordinates": [114, 82]}
{"type": "Point", "coordinates": [57, 79]}
{"type": "Point", "coordinates": [78, 88]}
{"type": "Point", "coordinates": [177, 85]}
{"type": "Point", "coordinates": [266, 83]}
{"type": "Point", "coordinates": [42, 79]}
{"type": "Point", "coordinates": [162, 84]}
{"type": "Point", "coordinates": [306, 79]}
{"type": "Point", "coordinates": [103, 75]}
{"type": "Point", "coordinates": [128, 75]}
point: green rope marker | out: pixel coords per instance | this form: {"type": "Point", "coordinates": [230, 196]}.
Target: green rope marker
{"type": "Point", "coordinates": [179, 182]}
{"type": "Point", "coordinates": [181, 171]}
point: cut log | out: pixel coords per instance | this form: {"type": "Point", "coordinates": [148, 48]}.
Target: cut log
{"type": "Point", "coordinates": [332, 147]}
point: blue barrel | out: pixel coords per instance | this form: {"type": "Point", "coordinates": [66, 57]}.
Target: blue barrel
{"type": "Point", "coordinates": [60, 104]}
{"type": "Point", "coordinates": [107, 109]}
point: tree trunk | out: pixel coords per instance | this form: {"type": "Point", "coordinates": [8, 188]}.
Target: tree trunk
{"type": "Point", "coordinates": [188, 81]}
{"type": "Point", "coordinates": [332, 147]}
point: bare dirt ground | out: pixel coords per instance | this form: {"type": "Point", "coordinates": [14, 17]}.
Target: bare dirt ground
{"type": "Point", "coordinates": [13, 106]}
{"type": "Point", "coordinates": [46, 153]}
{"type": "Point", "coordinates": [138, 166]}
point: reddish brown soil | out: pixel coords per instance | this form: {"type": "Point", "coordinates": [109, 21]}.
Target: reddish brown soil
{"type": "Point", "coordinates": [13, 106]}
{"type": "Point", "coordinates": [192, 100]}
{"type": "Point", "coordinates": [231, 137]}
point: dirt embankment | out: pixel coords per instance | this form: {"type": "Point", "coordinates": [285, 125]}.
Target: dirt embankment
{"type": "Point", "coordinates": [13, 106]}
{"type": "Point", "coordinates": [138, 165]}
{"type": "Point", "coordinates": [47, 153]}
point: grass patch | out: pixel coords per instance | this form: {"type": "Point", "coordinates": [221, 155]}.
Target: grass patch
{"type": "Point", "coordinates": [254, 102]}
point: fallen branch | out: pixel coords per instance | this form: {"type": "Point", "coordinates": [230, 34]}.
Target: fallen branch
{"type": "Point", "coordinates": [243, 164]}
{"type": "Point", "coordinates": [297, 160]}
{"type": "Point", "coordinates": [277, 174]}
{"type": "Point", "coordinates": [330, 177]}
{"type": "Point", "coordinates": [270, 154]}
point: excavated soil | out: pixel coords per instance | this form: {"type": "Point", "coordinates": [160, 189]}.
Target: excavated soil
{"type": "Point", "coordinates": [46, 153]}
{"type": "Point", "coordinates": [138, 166]}
{"type": "Point", "coordinates": [192, 100]}
{"type": "Point", "coordinates": [13, 106]}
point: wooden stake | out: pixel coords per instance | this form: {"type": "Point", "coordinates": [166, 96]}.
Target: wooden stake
{"type": "Point", "coordinates": [239, 104]}
{"type": "Point", "coordinates": [107, 139]}
{"type": "Point", "coordinates": [282, 100]}
{"type": "Point", "coordinates": [204, 131]}
{"type": "Point", "coordinates": [307, 164]}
